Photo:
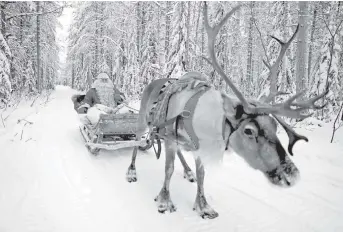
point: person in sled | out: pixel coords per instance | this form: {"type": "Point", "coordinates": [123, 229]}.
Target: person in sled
{"type": "Point", "coordinates": [102, 98]}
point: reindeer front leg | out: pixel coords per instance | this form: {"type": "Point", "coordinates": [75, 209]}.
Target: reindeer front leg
{"type": "Point", "coordinates": [163, 199]}
{"type": "Point", "coordinates": [187, 172]}
{"type": "Point", "coordinates": [201, 205]}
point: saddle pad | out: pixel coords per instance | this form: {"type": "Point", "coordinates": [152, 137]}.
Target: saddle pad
{"type": "Point", "coordinates": [158, 113]}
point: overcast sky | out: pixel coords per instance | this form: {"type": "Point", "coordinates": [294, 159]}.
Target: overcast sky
{"type": "Point", "coordinates": [62, 32]}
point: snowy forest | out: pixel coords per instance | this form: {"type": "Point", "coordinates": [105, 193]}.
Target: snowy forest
{"type": "Point", "coordinates": [74, 156]}
{"type": "Point", "coordinates": [136, 42]}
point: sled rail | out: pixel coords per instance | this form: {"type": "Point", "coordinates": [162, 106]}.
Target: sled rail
{"type": "Point", "coordinates": [117, 145]}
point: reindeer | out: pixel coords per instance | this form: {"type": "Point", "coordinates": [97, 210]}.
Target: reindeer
{"type": "Point", "coordinates": [250, 128]}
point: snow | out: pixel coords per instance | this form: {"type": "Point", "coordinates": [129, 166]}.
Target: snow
{"type": "Point", "coordinates": [49, 182]}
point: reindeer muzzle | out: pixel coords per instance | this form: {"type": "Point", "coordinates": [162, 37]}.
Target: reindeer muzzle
{"type": "Point", "coordinates": [286, 175]}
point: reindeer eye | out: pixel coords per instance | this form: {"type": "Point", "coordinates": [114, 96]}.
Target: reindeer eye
{"type": "Point", "coordinates": [248, 131]}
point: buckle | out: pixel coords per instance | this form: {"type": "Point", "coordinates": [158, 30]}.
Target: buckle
{"type": "Point", "coordinates": [186, 114]}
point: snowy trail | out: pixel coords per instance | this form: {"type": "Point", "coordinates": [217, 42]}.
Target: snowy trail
{"type": "Point", "coordinates": [51, 183]}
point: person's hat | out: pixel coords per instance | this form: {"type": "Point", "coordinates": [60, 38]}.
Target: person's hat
{"type": "Point", "coordinates": [102, 76]}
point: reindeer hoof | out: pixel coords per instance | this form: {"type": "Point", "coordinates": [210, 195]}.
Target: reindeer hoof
{"type": "Point", "coordinates": [209, 215]}
{"type": "Point", "coordinates": [164, 203]}
{"type": "Point", "coordinates": [189, 175]}
{"type": "Point", "coordinates": [204, 209]}
{"type": "Point", "coordinates": [131, 175]}
{"type": "Point", "coordinates": [166, 206]}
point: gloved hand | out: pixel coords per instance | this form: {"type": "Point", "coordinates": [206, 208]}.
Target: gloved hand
{"type": "Point", "coordinates": [82, 110]}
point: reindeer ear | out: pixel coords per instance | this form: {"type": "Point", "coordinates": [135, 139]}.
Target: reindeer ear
{"type": "Point", "coordinates": [239, 111]}
{"type": "Point", "coordinates": [232, 107]}
{"type": "Point", "coordinates": [292, 135]}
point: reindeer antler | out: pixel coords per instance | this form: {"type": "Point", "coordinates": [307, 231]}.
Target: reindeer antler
{"type": "Point", "coordinates": [282, 109]}
{"type": "Point", "coordinates": [212, 32]}
{"type": "Point", "coordinates": [284, 46]}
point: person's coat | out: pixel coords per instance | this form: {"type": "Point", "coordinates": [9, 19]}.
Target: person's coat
{"type": "Point", "coordinates": [102, 91]}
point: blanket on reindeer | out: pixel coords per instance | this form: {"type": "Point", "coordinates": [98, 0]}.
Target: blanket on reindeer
{"type": "Point", "coordinates": [190, 80]}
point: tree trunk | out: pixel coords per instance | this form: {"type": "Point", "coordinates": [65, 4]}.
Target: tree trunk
{"type": "Point", "coordinates": [166, 44]}
{"type": "Point", "coordinates": [89, 78]}
{"type": "Point", "coordinates": [313, 27]}
{"type": "Point", "coordinates": [96, 58]}
{"type": "Point", "coordinates": [142, 31]}
{"type": "Point", "coordinates": [284, 65]}
{"type": "Point", "coordinates": [249, 59]}
{"type": "Point", "coordinates": [102, 61]}
{"type": "Point", "coordinates": [138, 29]}
{"type": "Point", "coordinates": [39, 84]}
{"type": "Point", "coordinates": [301, 74]}
{"type": "Point", "coordinates": [3, 25]}
{"type": "Point", "coordinates": [72, 75]}
{"type": "Point", "coordinates": [187, 60]}
{"type": "Point", "coordinates": [21, 30]}
{"type": "Point", "coordinates": [202, 42]}
{"type": "Point", "coordinates": [196, 31]}
{"type": "Point", "coordinates": [158, 32]}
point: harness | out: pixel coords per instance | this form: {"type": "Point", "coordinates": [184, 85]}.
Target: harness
{"type": "Point", "coordinates": [185, 117]}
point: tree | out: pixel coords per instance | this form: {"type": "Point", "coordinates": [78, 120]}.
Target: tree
{"type": "Point", "coordinates": [301, 72]}
{"type": "Point", "coordinates": [5, 56]}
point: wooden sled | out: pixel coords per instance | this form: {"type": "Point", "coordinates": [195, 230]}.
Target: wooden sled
{"type": "Point", "coordinates": [113, 132]}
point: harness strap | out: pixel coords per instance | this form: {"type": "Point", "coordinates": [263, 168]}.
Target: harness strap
{"type": "Point", "coordinates": [186, 115]}
{"type": "Point", "coordinates": [227, 121]}
{"type": "Point", "coordinates": [190, 107]}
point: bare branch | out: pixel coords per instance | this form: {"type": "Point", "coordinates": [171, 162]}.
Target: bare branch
{"type": "Point", "coordinates": [264, 47]}
{"type": "Point", "coordinates": [34, 100]}
{"type": "Point", "coordinates": [278, 40]}
{"type": "Point", "coordinates": [339, 25]}
{"type": "Point", "coordinates": [266, 63]}
{"type": "Point", "coordinates": [327, 26]}
{"type": "Point", "coordinates": [19, 120]}
{"type": "Point", "coordinates": [14, 109]}
{"type": "Point", "coordinates": [334, 128]}
{"type": "Point", "coordinates": [3, 122]}
{"type": "Point", "coordinates": [207, 60]}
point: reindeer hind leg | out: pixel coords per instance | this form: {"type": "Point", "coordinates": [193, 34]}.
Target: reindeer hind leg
{"type": "Point", "coordinates": [131, 175]}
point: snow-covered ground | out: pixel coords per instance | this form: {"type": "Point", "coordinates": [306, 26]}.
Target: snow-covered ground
{"type": "Point", "coordinates": [49, 182]}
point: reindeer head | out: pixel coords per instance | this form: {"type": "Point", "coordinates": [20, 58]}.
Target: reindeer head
{"type": "Point", "coordinates": [253, 137]}
{"type": "Point", "coordinates": [253, 123]}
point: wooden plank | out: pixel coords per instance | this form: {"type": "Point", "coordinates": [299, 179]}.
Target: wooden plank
{"type": "Point", "coordinates": [118, 124]}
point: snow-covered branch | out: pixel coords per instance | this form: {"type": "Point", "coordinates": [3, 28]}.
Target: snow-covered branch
{"type": "Point", "coordinates": [56, 10]}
